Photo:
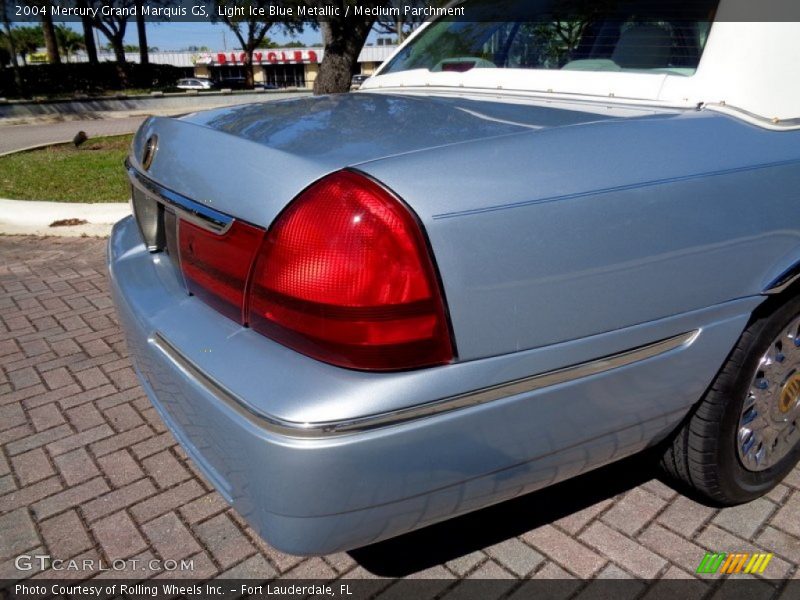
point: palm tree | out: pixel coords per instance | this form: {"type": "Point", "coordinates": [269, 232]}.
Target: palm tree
{"type": "Point", "coordinates": [69, 41]}
{"type": "Point", "coordinates": [27, 39]}
{"type": "Point", "coordinates": [49, 32]}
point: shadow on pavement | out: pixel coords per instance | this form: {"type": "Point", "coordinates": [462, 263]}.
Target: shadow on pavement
{"type": "Point", "coordinates": [428, 547]}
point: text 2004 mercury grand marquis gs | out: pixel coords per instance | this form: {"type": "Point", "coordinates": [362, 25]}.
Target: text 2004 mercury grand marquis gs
{"type": "Point", "coordinates": [502, 263]}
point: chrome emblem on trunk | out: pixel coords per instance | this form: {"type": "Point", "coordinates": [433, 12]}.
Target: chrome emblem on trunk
{"type": "Point", "coordinates": [150, 149]}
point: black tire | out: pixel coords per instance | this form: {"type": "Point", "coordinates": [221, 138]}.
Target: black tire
{"type": "Point", "coordinates": [703, 452]}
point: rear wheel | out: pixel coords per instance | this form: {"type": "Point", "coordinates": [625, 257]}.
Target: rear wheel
{"type": "Point", "coordinates": [743, 437]}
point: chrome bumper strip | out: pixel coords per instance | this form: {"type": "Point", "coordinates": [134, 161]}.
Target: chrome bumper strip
{"type": "Point", "coordinates": [188, 209]}
{"type": "Point", "coordinates": [482, 396]}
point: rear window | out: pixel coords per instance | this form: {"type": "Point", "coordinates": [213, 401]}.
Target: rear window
{"type": "Point", "coordinates": [580, 35]}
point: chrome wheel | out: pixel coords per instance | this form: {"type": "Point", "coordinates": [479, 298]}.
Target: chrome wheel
{"type": "Point", "coordinates": [768, 425]}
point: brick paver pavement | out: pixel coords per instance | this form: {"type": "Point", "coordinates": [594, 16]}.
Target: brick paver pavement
{"type": "Point", "coordinates": [88, 471]}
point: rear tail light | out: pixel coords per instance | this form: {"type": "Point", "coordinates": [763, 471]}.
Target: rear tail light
{"type": "Point", "coordinates": [215, 267]}
{"type": "Point", "coordinates": [343, 275]}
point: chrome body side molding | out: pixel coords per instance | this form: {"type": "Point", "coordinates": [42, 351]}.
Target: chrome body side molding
{"type": "Point", "coordinates": [783, 281]}
{"type": "Point", "coordinates": [481, 396]}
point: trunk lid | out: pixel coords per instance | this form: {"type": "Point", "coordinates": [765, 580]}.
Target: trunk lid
{"type": "Point", "coordinates": [251, 161]}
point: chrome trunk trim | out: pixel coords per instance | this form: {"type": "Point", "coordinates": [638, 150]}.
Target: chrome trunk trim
{"type": "Point", "coordinates": [190, 210]}
{"type": "Point", "coordinates": [774, 124]}
{"type": "Point", "coordinates": [430, 409]}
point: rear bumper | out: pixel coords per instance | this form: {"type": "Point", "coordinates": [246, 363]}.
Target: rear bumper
{"type": "Point", "coordinates": [324, 493]}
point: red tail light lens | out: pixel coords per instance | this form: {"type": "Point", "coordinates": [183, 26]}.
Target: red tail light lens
{"type": "Point", "coordinates": [344, 275]}
{"type": "Point", "coordinates": [216, 266]}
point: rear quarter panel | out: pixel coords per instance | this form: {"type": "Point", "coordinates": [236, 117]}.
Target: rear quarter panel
{"type": "Point", "coordinates": [568, 232]}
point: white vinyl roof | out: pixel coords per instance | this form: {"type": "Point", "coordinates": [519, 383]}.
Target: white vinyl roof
{"type": "Point", "coordinates": [754, 67]}
{"type": "Point", "coordinates": [747, 69]}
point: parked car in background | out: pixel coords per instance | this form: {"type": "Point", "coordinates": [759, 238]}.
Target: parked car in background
{"type": "Point", "coordinates": [357, 80]}
{"type": "Point", "coordinates": [195, 83]}
{"type": "Point", "coordinates": [503, 262]}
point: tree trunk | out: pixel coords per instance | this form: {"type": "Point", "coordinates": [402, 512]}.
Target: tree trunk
{"type": "Point", "coordinates": [343, 40]}
{"type": "Point", "coordinates": [400, 30]}
{"type": "Point", "coordinates": [119, 49]}
{"type": "Point", "coordinates": [118, 43]}
{"type": "Point", "coordinates": [88, 40]}
{"type": "Point", "coordinates": [144, 57]}
{"type": "Point", "coordinates": [249, 74]}
{"type": "Point", "coordinates": [50, 41]}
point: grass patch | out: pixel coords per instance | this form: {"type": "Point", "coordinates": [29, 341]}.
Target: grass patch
{"type": "Point", "coordinates": [92, 172]}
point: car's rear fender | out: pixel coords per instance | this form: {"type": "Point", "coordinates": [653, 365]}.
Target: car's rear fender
{"type": "Point", "coordinates": [575, 231]}
{"type": "Point", "coordinates": [551, 235]}
{"type": "Point", "coordinates": [417, 455]}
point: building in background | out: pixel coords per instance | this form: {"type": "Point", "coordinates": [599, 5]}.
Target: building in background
{"type": "Point", "coordinates": [277, 67]}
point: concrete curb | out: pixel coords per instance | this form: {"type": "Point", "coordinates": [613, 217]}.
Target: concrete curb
{"type": "Point", "coordinates": [33, 217]}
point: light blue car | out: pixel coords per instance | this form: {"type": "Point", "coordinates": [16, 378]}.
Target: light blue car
{"type": "Point", "coordinates": [523, 250]}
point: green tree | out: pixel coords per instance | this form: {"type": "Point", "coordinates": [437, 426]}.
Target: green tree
{"type": "Point", "coordinates": [401, 25]}
{"type": "Point", "coordinates": [49, 33]}
{"type": "Point", "coordinates": [5, 53]}
{"type": "Point", "coordinates": [69, 41]}
{"type": "Point", "coordinates": [12, 50]}
{"type": "Point", "coordinates": [27, 39]}
{"type": "Point", "coordinates": [130, 48]}
{"type": "Point", "coordinates": [251, 30]}
{"type": "Point", "coordinates": [267, 43]}
{"type": "Point", "coordinates": [48, 29]}
{"type": "Point", "coordinates": [112, 26]}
